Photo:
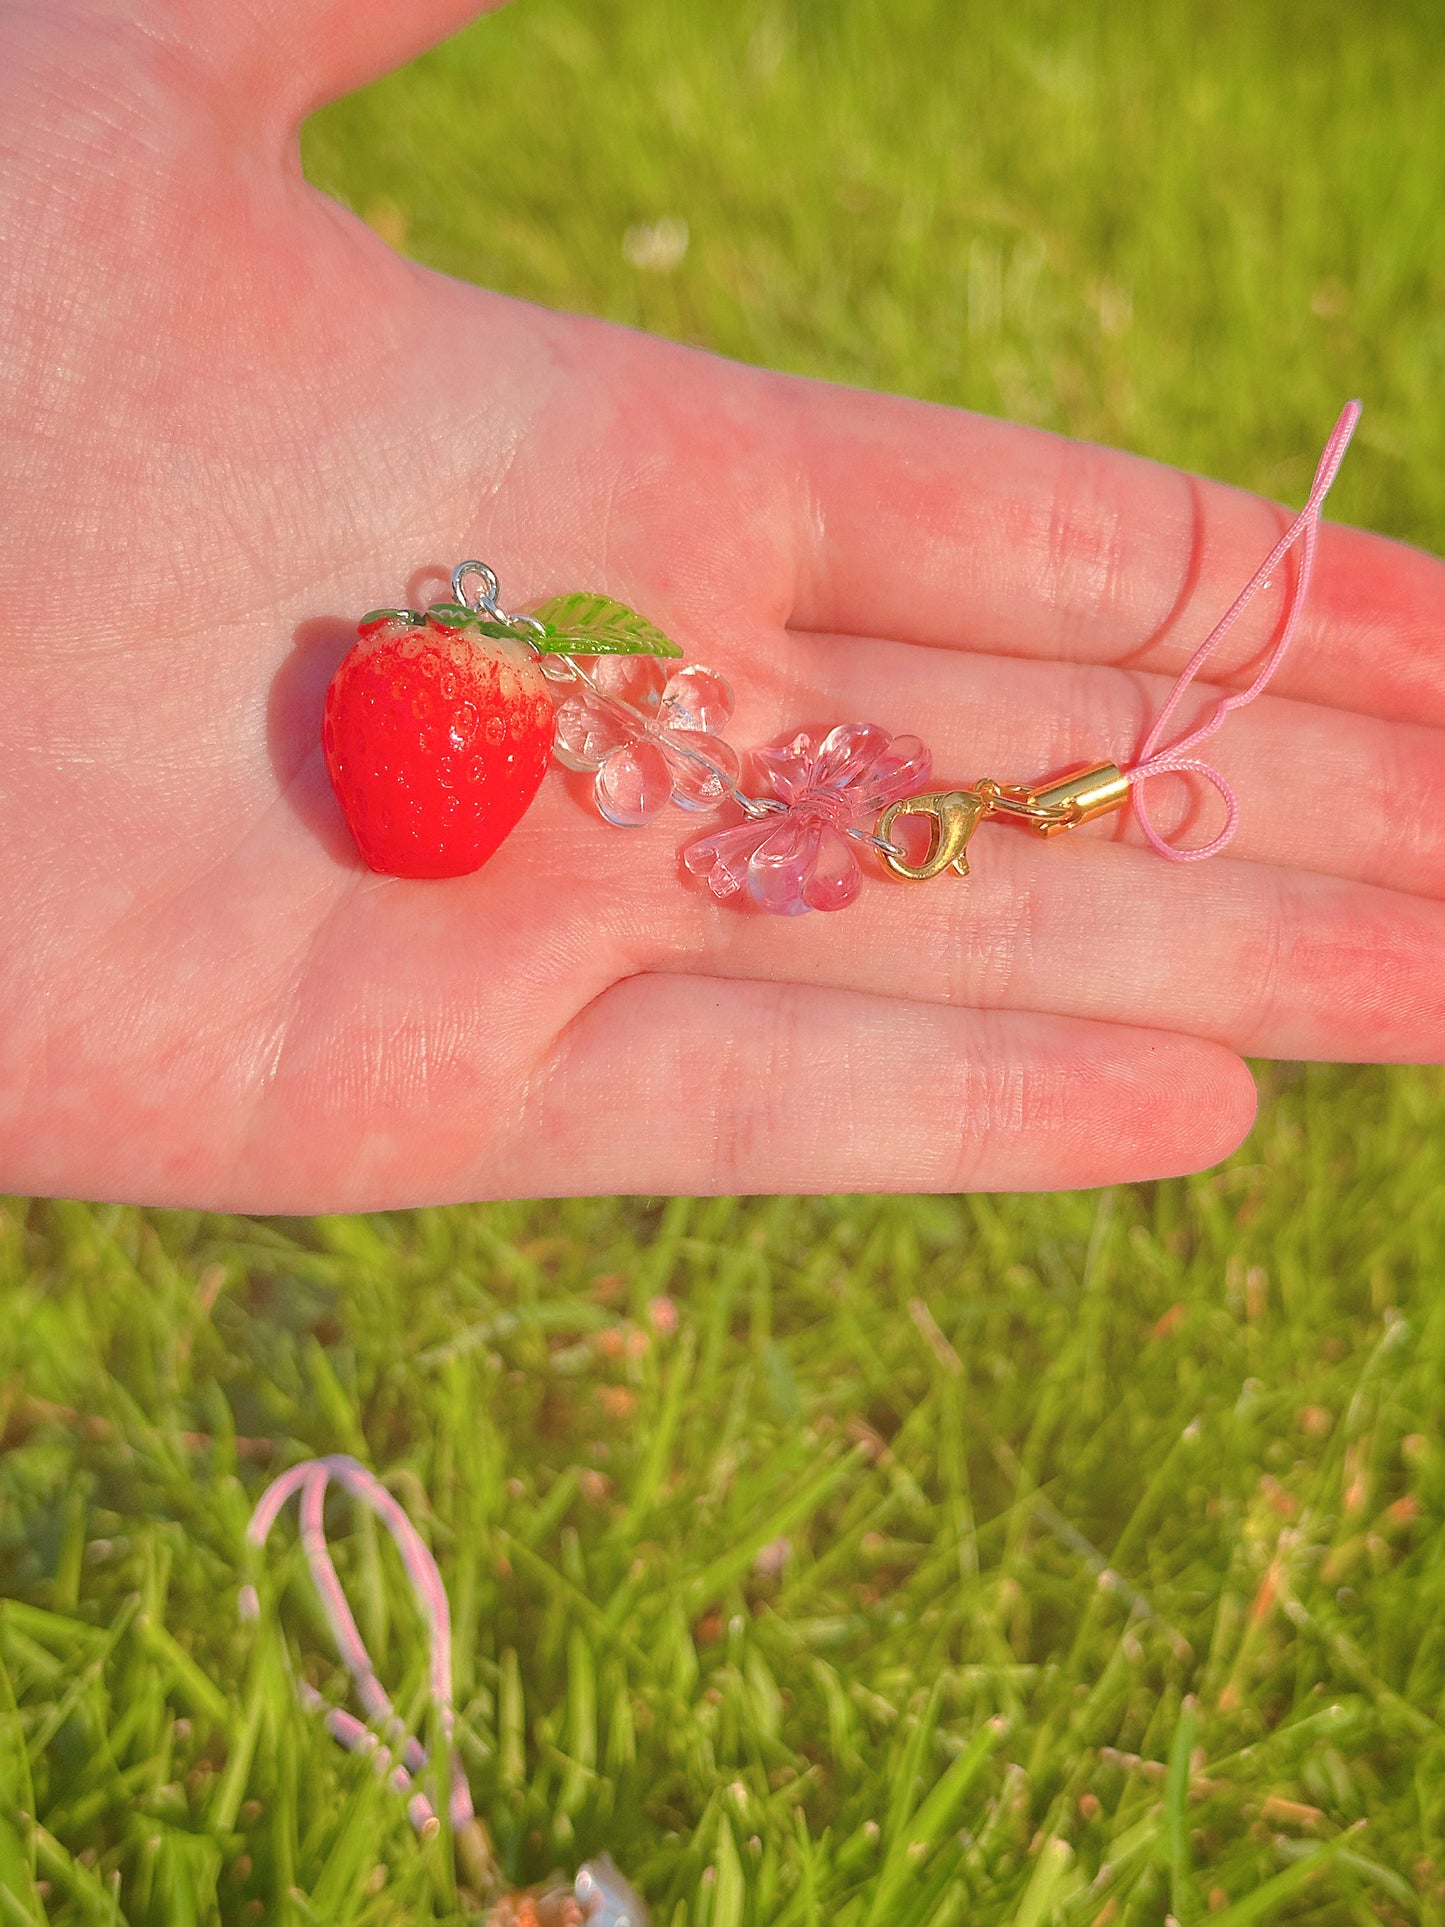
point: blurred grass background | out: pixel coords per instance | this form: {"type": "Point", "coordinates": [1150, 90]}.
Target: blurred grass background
{"type": "Point", "coordinates": [846, 1562]}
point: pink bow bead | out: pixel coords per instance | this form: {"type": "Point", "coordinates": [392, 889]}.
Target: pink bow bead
{"type": "Point", "coordinates": [649, 737]}
{"type": "Point", "coordinates": [799, 857]}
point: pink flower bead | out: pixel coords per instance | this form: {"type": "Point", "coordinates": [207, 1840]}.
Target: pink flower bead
{"type": "Point", "coordinates": [799, 858]}
{"type": "Point", "coordinates": [633, 728]}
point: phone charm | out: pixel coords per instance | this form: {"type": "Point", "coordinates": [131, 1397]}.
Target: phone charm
{"type": "Point", "coordinates": [440, 724]}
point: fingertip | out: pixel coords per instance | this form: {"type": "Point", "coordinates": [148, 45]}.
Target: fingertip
{"type": "Point", "coordinates": [1114, 1104]}
{"type": "Point", "coordinates": [1200, 1104]}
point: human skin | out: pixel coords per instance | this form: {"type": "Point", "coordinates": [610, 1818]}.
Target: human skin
{"type": "Point", "coordinates": [231, 420]}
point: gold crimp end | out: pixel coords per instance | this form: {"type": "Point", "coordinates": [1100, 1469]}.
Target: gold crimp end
{"type": "Point", "coordinates": [1086, 794]}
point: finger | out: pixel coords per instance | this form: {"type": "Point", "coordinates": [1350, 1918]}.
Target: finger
{"type": "Point", "coordinates": [953, 530]}
{"type": "Point", "coordinates": [1322, 789]}
{"type": "Point", "coordinates": [1265, 962]}
{"type": "Point", "coordinates": [670, 1083]}
{"type": "Point", "coordinates": [292, 55]}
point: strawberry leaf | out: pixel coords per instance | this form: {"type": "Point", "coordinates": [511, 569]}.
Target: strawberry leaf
{"type": "Point", "coordinates": [373, 616]}
{"type": "Point", "coordinates": [450, 615]}
{"type": "Point", "coordinates": [583, 624]}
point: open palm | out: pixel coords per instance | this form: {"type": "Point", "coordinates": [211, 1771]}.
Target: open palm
{"type": "Point", "coordinates": [232, 420]}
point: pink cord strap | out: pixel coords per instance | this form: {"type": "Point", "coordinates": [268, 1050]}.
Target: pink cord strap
{"type": "Point", "coordinates": [310, 1480]}
{"type": "Point", "coordinates": [598, 1895]}
{"type": "Point", "coordinates": [1154, 761]}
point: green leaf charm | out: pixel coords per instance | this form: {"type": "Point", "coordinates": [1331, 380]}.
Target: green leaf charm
{"type": "Point", "coordinates": [582, 624]}
{"type": "Point", "coordinates": [451, 615]}
{"type": "Point", "coordinates": [411, 617]}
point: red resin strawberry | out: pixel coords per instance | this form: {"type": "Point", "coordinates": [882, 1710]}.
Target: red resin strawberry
{"type": "Point", "coordinates": [437, 737]}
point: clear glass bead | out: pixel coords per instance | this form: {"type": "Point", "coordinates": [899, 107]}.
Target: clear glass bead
{"type": "Point", "coordinates": [633, 784]}
{"type": "Point", "coordinates": [699, 784]}
{"type": "Point", "coordinates": [697, 698]}
{"type": "Point", "coordinates": [588, 731]}
{"type": "Point", "coordinates": [636, 680]}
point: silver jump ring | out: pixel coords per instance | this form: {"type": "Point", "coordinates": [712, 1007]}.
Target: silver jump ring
{"type": "Point", "coordinates": [878, 842]}
{"type": "Point", "coordinates": [487, 602]}
{"type": "Point", "coordinates": [490, 591]}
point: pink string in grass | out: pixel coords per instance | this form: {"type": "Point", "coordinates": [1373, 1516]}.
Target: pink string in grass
{"type": "Point", "coordinates": [599, 1895]}
{"type": "Point", "coordinates": [310, 1479]}
{"type": "Point", "coordinates": [1154, 761]}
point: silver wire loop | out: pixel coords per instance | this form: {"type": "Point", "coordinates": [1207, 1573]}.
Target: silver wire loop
{"type": "Point", "coordinates": [490, 587]}
{"type": "Point", "coordinates": [486, 602]}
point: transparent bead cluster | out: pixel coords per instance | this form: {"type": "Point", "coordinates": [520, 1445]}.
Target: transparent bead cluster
{"type": "Point", "coordinates": [648, 738]}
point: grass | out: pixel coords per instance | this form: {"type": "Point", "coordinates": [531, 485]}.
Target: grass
{"type": "Point", "coordinates": [993, 1560]}
{"type": "Point", "coordinates": [1014, 1560]}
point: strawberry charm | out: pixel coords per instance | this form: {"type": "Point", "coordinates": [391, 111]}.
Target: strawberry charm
{"type": "Point", "coordinates": [439, 725]}
{"type": "Point", "coordinates": [437, 738]}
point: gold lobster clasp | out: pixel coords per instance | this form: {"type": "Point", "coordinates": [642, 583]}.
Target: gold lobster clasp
{"type": "Point", "coordinates": [953, 816]}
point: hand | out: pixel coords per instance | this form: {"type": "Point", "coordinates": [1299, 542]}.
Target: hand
{"type": "Point", "coordinates": [233, 420]}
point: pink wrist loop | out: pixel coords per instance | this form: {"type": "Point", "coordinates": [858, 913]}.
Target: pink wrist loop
{"type": "Point", "coordinates": [1174, 758]}
{"type": "Point", "coordinates": [404, 1758]}
{"type": "Point", "coordinates": [598, 1896]}
{"type": "Point", "coordinates": [1165, 765]}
